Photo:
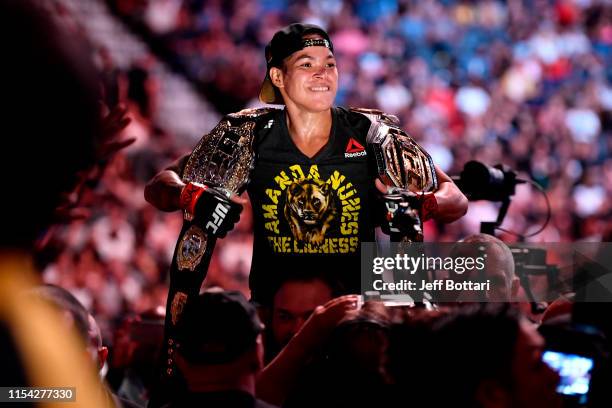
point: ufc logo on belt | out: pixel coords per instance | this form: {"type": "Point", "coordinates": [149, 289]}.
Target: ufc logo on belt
{"type": "Point", "coordinates": [218, 217]}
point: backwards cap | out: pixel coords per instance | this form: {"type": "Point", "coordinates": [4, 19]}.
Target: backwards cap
{"type": "Point", "coordinates": [284, 43]}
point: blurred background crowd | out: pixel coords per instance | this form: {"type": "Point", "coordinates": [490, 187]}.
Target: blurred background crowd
{"type": "Point", "coordinates": [524, 83]}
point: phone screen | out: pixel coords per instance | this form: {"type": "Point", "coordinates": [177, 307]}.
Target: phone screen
{"type": "Point", "coordinates": [574, 370]}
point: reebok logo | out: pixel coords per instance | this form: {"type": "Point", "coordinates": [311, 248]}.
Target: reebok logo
{"type": "Point", "coordinates": [354, 149]}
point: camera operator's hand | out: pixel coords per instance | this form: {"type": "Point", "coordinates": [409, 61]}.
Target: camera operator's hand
{"type": "Point", "coordinates": [324, 319]}
{"type": "Point", "coordinates": [213, 210]}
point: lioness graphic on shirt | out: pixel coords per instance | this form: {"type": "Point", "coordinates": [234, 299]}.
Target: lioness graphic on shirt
{"type": "Point", "coordinates": [321, 215]}
{"type": "Point", "coordinates": [309, 210]}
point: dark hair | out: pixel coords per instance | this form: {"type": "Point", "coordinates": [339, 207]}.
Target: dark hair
{"type": "Point", "coordinates": [475, 343]}
{"type": "Point", "coordinates": [307, 272]}
{"type": "Point", "coordinates": [345, 349]}
{"type": "Point", "coordinates": [346, 372]}
{"type": "Point", "coordinates": [218, 327]}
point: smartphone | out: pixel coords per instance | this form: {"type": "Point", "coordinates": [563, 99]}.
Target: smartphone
{"type": "Point", "coordinates": [575, 372]}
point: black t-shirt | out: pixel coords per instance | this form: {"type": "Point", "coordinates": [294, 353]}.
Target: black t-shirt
{"type": "Point", "coordinates": [311, 213]}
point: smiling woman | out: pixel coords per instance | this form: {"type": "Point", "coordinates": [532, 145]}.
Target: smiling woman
{"type": "Point", "coordinates": [308, 79]}
{"type": "Point", "coordinates": [313, 141]}
{"type": "Point", "coordinates": [311, 177]}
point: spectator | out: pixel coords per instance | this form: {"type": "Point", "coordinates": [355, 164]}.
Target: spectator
{"type": "Point", "coordinates": [498, 270]}
{"type": "Point", "coordinates": [411, 345]}
{"type": "Point", "coordinates": [282, 375]}
{"type": "Point", "coordinates": [220, 351]}
{"type": "Point", "coordinates": [77, 317]}
{"type": "Point", "coordinates": [294, 301]}
{"type": "Point", "coordinates": [43, 79]}
{"type": "Point", "coordinates": [137, 346]}
{"type": "Point", "coordinates": [498, 364]}
{"type": "Point", "coordinates": [348, 370]}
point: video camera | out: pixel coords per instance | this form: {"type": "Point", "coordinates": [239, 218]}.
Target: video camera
{"type": "Point", "coordinates": [531, 262]}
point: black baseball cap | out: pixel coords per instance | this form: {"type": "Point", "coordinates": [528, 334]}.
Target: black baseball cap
{"type": "Point", "coordinates": [217, 327]}
{"type": "Point", "coordinates": [284, 43]}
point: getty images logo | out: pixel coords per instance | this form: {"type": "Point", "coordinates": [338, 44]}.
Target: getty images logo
{"type": "Point", "coordinates": [354, 149]}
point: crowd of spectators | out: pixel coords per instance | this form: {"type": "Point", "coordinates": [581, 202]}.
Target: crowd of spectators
{"type": "Point", "coordinates": [526, 84]}
{"type": "Point", "coordinates": [112, 253]}
{"type": "Point", "coordinates": [523, 83]}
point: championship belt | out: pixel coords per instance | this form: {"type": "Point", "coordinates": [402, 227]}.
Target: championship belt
{"type": "Point", "coordinates": [222, 161]}
{"type": "Point", "coordinates": [400, 161]}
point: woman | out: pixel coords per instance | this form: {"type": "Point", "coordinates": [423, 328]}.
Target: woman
{"type": "Point", "coordinates": [313, 187]}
